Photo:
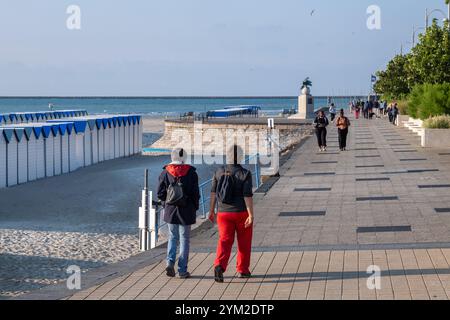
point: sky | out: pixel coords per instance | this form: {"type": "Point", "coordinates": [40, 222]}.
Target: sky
{"type": "Point", "coordinates": [200, 47]}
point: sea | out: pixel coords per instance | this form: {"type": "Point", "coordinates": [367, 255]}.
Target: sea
{"type": "Point", "coordinates": [158, 107]}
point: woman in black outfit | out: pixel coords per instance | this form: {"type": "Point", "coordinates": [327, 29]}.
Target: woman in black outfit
{"type": "Point", "coordinates": [321, 123]}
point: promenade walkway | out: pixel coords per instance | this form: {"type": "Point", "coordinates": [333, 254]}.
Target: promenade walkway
{"type": "Point", "coordinates": [330, 216]}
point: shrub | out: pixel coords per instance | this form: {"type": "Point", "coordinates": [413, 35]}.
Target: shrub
{"type": "Point", "coordinates": [429, 100]}
{"type": "Point", "coordinates": [403, 107]}
{"type": "Point", "coordinates": [438, 122]}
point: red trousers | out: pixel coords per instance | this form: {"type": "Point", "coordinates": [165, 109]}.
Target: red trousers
{"type": "Point", "coordinates": [230, 224]}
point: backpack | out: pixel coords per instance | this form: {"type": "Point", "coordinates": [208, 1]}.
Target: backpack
{"type": "Point", "coordinates": [175, 194]}
{"type": "Point", "coordinates": [225, 187]}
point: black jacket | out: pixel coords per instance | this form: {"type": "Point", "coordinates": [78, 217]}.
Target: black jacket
{"type": "Point", "coordinates": [180, 215]}
{"type": "Point", "coordinates": [320, 123]}
{"type": "Point", "coordinates": [242, 188]}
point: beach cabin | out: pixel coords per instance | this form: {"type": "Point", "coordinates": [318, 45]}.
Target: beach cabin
{"type": "Point", "coordinates": [57, 156]}
{"type": "Point", "coordinates": [127, 136]}
{"type": "Point", "coordinates": [34, 150]}
{"type": "Point", "coordinates": [11, 156]}
{"type": "Point", "coordinates": [116, 137]}
{"type": "Point", "coordinates": [3, 155]}
{"type": "Point", "coordinates": [121, 137]}
{"type": "Point", "coordinates": [48, 136]}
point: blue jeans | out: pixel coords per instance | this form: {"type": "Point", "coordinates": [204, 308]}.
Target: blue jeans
{"type": "Point", "coordinates": [182, 234]}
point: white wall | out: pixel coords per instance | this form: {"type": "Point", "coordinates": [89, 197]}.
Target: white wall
{"type": "Point", "coordinates": [127, 140]}
{"type": "Point", "coordinates": [32, 172]}
{"type": "Point", "coordinates": [87, 147]}
{"type": "Point", "coordinates": [12, 162]}
{"type": "Point", "coordinates": [79, 149]}
{"type": "Point", "coordinates": [2, 161]}
{"type": "Point", "coordinates": [116, 142]}
{"type": "Point", "coordinates": [57, 156]}
{"type": "Point", "coordinates": [22, 160]}
{"type": "Point", "coordinates": [101, 144]}
{"type": "Point", "coordinates": [122, 141]}
{"type": "Point", "coordinates": [95, 146]}
{"type": "Point", "coordinates": [40, 158]}
{"type": "Point", "coordinates": [49, 156]}
{"type": "Point", "coordinates": [65, 153]}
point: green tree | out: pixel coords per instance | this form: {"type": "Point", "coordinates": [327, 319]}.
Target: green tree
{"type": "Point", "coordinates": [429, 60]}
{"type": "Point", "coordinates": [393, 82]}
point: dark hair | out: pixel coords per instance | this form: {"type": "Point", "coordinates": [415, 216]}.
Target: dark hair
{"type": "Point", "coordinates": [181, 153]}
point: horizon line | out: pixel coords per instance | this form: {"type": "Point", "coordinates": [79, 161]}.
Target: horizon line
{"type": "Point", "coordinates": [173, 97]}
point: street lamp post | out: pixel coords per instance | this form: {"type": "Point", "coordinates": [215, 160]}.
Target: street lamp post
{"type": "Point", "coordinates": [414, 34]}
{"type": "Point", "coordinates": [428, 14]}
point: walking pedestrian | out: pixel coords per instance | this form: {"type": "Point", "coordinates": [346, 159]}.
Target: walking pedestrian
{"type": "Point", "coordinates": [332, 111]}
{"type": "Point", "coordinates": [232, 190]}
{"type": "Point", "coordinates": [366, 110]}
{"type": "Point", "coordinates": [357, 110]}
{"type": "Point", "coordinates": [179, 191]}
{"type": "Point", "coordinates": [395, 113]}
{"type": "Point", "coordinates": [321, 122]}
{"type": "Point", "coordinates": [342, 123]}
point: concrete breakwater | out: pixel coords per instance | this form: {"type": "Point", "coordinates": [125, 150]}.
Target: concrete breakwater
{"type": "Point", "coordinates": [252, 134]}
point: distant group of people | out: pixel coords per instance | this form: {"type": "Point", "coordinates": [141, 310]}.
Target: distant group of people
{"type": "Point", "coordinates": [368, 108]}
{"type": "Point", "coordinates": [371, 108]}
{"type": "Point", "coordinates": [321, 123]}
{"type": "Point", "coordinates": [231, 190]}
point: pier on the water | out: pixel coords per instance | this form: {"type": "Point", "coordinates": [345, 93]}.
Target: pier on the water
{"type": "Point", "coordinates": [324, 226]}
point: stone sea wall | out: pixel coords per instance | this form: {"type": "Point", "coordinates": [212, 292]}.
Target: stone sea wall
{"type": "Point", "coordinates": [253, 136]}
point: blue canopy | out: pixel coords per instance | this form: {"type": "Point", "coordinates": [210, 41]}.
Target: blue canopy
{"type": "Point", "coordinates": [37, 132]}
{"type": "Point", "coordinates": [19, 133]}
{"type": "Point", "coordinates": [80, 126]}
{"type": "Point", "coordinates": [46, 131]}
{"type": "Point", "coordinates": [28, 132]}
{"type": "Point", "coordinates": [69, 127]}
{"type": "Point", "coordinates": [91, 124]}
{"type": "Point", "coordinates": [8, 133]}
{"type": "Point", "coordinates": [54, 129]}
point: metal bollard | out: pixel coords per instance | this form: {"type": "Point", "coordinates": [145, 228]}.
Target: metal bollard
{"type": "Point", "coordinates": [148, 226]}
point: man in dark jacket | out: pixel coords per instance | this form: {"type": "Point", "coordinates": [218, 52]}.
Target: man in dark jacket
{"type": "Point", "coordinates": [179, 217]}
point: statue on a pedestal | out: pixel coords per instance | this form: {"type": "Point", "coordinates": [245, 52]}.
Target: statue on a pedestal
{"type": "Point", "coordinates": [305, 102]}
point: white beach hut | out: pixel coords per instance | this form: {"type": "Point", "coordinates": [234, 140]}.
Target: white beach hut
{"type": "Point", "coordinates": [64, 148]}
{"type": "Point", "coordinates": [22, 154]}
{"type": "Point", "coordinates": [116, 137]}
{"type": "Point", "coordinates": [95, 145]}
{"type": "Point", "coordinates": [140, 122]}
{"type": "Point", "coordinates": [127, 136]}
{"type": "Point", "coordinates": [11, 156]}
{"type": "Point", "coordinates": [101, 140]}
{"type": "Point", "coordinates": [136, 135]}
{"type": "Point", "coordinates": [79, 132]}
{"type": "Point", "coordinates": [111, 139]}
{"type": "Point", "coordinates": [49, 146]}
{"type": "Point", "coordinates": [121, 137]}
{"type": "Point", "coordinates": [32, 170]}
{"type": "Point", "coordinates": [57, 155]}
{"type": "Point", "coordinates": [3, 156]}
{"type": "Point", "coordinates": [88, 152]}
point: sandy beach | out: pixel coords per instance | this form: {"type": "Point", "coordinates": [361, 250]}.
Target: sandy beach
{"type": "Point", "coordinates": [153, 130]}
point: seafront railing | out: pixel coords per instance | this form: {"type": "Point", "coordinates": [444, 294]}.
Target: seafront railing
{"type": "Point", "coordinates": [150, 218]}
